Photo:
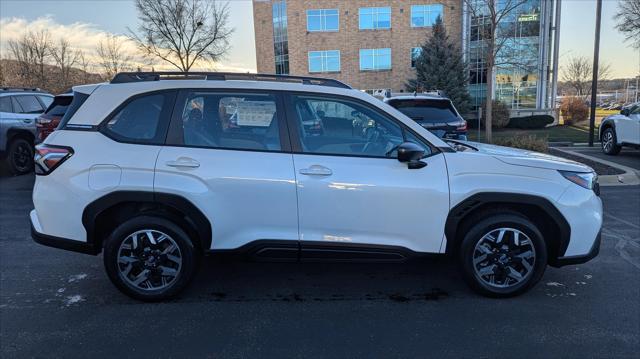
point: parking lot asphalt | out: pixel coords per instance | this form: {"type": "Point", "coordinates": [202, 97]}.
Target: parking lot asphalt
{"type": "Point", "coordinates": [627, 157]}
{"type": "Point", "coordinates": [55, 303]}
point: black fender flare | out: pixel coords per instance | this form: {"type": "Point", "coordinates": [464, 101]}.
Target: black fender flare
{"type": "Point", "coordinates": [474, 202]}
{"type": "Point", "coordinates": [201, 225]}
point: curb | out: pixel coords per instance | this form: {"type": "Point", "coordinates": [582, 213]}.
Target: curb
{"type": "Point", "coordinates": [628, 178]}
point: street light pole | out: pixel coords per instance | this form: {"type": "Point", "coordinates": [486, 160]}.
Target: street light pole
{"type": "Point", "coordinates": [594, 79]}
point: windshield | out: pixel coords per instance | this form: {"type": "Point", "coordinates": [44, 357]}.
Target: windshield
{"type": "Point", "coordinates": [426, 110]}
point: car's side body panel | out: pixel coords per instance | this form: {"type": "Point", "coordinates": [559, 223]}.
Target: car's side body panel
{"type": "Point", "coordinates": [373, 201]}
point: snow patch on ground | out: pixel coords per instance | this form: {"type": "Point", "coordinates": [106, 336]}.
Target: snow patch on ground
{"type": "Point", "coordinates": [73, 299]}
{"type": "Point", "coordinates": [555, 284]}
{"type": "Point", "coordinates": [77, 277]}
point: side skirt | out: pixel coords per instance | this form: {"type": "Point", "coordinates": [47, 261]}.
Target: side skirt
{"type": "Point", "coordinates": [317, 251]}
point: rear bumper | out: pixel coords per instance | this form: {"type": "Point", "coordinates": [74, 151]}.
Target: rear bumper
{"type": "Point", "coordinates": [571, 260]}
{"type": "Point", "coordinates": [59, 242]}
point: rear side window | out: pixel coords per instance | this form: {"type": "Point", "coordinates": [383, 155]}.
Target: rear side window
{"type": "Point", "coordinates": [78, 99]}
{"type": "Point", "coordinates": [29, 104]}
{"type": "Point", "coordinates": [59, 106]}
{"type": "Point", "coordinates": [5, 104]}
{"type": "Point", "coordinates": [231, 121]}
{"type": "Point", "coordinates": [143, 119]}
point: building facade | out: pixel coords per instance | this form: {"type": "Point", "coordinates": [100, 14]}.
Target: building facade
{"type": "Point", "coordinates": [525, 75]}
{"type": "Point", "coordinates": [368, 44]}
{"type": "Point", "coordinates": [372, 44]}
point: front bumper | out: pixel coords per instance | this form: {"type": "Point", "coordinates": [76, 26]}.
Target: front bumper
{"type": "Point", "coordinates": [59, 242]}
{"type": "Point", "coordinates": [579, 259]}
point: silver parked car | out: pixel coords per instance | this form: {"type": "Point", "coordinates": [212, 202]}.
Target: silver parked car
{"type": "Point", "coordinates": [19, 108]}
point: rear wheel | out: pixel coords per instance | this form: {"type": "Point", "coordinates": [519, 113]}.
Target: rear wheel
{"type": "Point", "coordinates": [609, 142]}
{"type": "Point", "coordinates": [503, 255]}
{"type": "Point", "coordinates": [20, 156]}
{"type": "Point", "coordinates": [150, 258]}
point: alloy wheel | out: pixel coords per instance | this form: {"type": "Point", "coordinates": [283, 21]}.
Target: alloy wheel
{"type": "Point", "coordinates": [607, 141]}
{"type": "Point", "coordinates": [149, 260]}
{"type": "Point", "coordinates": [21, 157]}
{"type": "Point", "coordinates": [504, 257]}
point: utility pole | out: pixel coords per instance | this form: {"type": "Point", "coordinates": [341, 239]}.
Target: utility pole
{"type": "Point", "coordinates": [594, 79]}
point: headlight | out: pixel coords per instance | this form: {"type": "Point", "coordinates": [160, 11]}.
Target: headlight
{"type": "Point", "coordinates": [587, 180]}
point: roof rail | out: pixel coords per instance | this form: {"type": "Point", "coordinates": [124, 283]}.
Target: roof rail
{"type": "Point", "coordinates": [34, 89]}
{"type": "Point", "coordinates": [126, 77]}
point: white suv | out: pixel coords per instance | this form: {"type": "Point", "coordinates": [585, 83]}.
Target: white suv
{"type": "Point", "coordinates": [621, 130]}
{"type": "Point", "coordinates": [155, 170]}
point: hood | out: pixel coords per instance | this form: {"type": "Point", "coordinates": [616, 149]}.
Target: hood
{"type": "Point", "coordinates": [518, 157]}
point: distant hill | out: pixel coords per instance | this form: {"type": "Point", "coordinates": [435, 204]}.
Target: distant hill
{"type": "Point", "coordinates": [10, 77]}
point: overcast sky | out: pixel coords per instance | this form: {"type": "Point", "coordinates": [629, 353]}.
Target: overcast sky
{"type": "Point", "coordinates": [85, 22]}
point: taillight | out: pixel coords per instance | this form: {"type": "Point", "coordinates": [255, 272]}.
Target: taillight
{"type": "Point", "coordinates": [462, 126]}
{"type": "Point", "coordinates": [49, 157]}
{"type": "Point", "coordinates": [43, 121]}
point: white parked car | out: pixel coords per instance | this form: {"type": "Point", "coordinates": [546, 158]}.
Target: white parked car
{"type": "Point", "coordinates": [154, 173]}
{"type": "Point", "coordinates": [621, 130]}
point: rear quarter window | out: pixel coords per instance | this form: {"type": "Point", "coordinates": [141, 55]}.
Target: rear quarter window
{"type": "Point", "coordinates": [59, 106]}
{"type": "Point", "coordinates": [143, 119]}
{"type": "Point", "coordinates": [426, 109]}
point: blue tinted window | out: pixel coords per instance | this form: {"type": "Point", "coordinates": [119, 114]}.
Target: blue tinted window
{"type": "Point", "coordinates": [415, 53]}
{"type": "Point", "coordinates": [425, 15]}
{"type": "Point", "coordinates": [323, 20]}
{"type": "Point", "coordinates": [324, 61]}
{"type": "Point", "coordinates": [375, 59]}
{"type": "Point", "coordinates": [375, 18]}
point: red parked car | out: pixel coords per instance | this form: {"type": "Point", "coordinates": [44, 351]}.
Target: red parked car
{"type": "Point", "coordinates": [49, 120]}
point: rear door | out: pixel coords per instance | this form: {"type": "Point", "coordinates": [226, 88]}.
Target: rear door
{"type": "Point", "coordinates": [228, 152]}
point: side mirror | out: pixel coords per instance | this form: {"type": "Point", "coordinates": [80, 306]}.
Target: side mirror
{"type": "Point", "coordinates": [411, 153]}
{"type": "Point", "coordinates": [625, 112]}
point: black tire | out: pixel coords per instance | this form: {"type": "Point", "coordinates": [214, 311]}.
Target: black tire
{"type": "Point", "coordinates": [187, 269]}
{"type": "Point", "coordinates": [610, 148]}
{"type": "Point", "coordinates": [495, 221]}
{"type": "Point", "coordinates": [20, 156]}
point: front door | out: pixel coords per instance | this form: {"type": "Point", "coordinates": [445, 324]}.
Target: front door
{"type": "Point", "coordinates": [228, 153]}
{"type": "Point", "coordinates": [352, 191]}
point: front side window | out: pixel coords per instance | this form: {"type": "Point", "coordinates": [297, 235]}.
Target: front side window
{"type": "Point", "coordinates": [372, 18]}
{"type": "Point", "coordinates": [231, 121]}
{"type": "Point", "coordinates": [375, 59]}
{"type": "Point", "coordinates": [415, 53]}
{"type": "Point", "coordinates": [29, 104]}
{"type": "Point", "coordinates": [140, 119]}
{"type": "Point", "coordinates": [324, 61]}
{"type": "Point", "coordinates": [342, 127]}
{"type": "Point", "coordinates": [323, 20]}
{"type": "Point", "coordinates": [425, 15]}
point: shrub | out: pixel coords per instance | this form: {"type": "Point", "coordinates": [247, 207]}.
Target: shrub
{"type": "Point", "coordinates": [529, 122]}
{"type": "Point", "coordinates": [526, 142]}
{"type": "Point", "coordinates": [574, 110]}
{"type": "Point", "coordinates": [500, 112]}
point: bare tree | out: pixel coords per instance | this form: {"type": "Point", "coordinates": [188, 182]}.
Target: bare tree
{"type": "Point", "coordinates": [65, 58]}
{"type": "Point", "coordinates": [32, 52]}
{"type": "Point", "coordinates": [84, 64]}
{"type": "Point", "coordinates": [577, 74]}
{"type": "Point", "coordinates": [183, 32]}
{"type": "Point", "coordinates": [498, 43]}
{"type": "Point", "coordinates": [628, 20]}
{"type": "Point", "coordinates": [113, 58]}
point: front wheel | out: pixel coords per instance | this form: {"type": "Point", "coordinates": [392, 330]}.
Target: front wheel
{"type": "Point", "coordinates": [609, 142]}
{"type": "Point", "coordinates": [150, 258]}
{"type": "Point", "coordinates": [503, 255]}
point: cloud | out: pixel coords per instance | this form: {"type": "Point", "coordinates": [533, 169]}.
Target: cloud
{"type": "Point", "coordinates": [86, 37]}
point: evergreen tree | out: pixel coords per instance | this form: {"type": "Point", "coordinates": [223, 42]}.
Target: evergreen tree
{"type": "Point", "coordinates": [440, 66]}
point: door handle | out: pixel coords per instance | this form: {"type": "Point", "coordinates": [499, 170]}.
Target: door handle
{"type": "Point", "coordinates": [183, 163]}
{"type": "Point", "coordinates": [316, 170]}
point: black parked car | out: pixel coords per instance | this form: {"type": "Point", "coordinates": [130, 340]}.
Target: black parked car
{"type": "Point", "coordinates": [432, 111]}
